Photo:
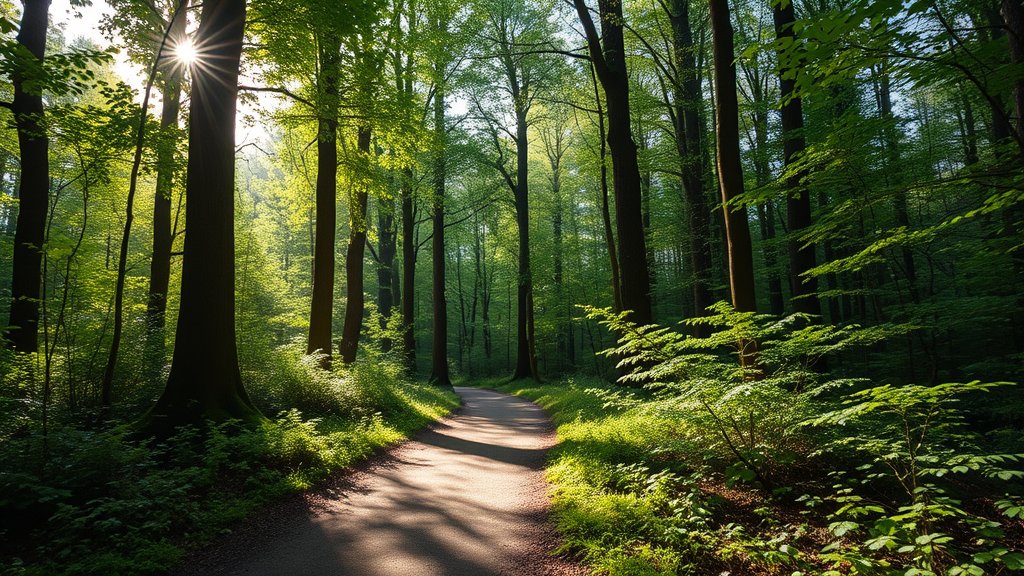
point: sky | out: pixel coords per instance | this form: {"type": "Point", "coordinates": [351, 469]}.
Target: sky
{"type": "Point", "coordinates": [85, 22]}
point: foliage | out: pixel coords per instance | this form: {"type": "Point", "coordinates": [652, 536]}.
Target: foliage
{"type": "Point", "coordinates": [78, 501]}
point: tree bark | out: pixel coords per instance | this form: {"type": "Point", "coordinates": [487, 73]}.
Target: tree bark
{"type": "Point", "coordinates": [321, 309]}
{"type": "Point", "coordinates": [160, 262]}
{"type": "Point", "coordinates": [205, 381]}
{"type": "Point", "coordinates": [355, 299]}
{"type": "Point", "coordinates": [408, 272]}
{"type": "Point", "coordinates": [610, 65]}
{"type": "Point", "coordinates": [526, 365]}
{"type": "Point", "coordinates": [730, 169]}
{"type": "Point", "coordinates": [33, 190]}
{"type": "Point", "coordinates": [387, 239]}
{"type": "Point", "coordinates": [692, 160]}
{"type": "Point", "coordinates": [804, 289]}
{"type": "Point", "coordinates": [439, 375]}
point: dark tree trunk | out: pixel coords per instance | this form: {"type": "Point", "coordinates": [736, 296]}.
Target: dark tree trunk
{"type": "Point", "coordinates": [889, 135]}
{"type": "Point", "coordinates": [33, 190]}
{"type": "Point", "coordinates": [354, 257]}
{"type": "Point", "coordinates": [526, 365]}
{"type": "Point", "coordinates": [160, 263]}
{"type": "Point", "coordinates": [692, 159]}
{"type": "Point", "coordinates": [439, 375]}
{"type": "Point", "coordinates": [730, 169]}
{"type": "Point", "coordinates": [606, 213]}
{"type": "Point", "coordinates": [408, 271]}
{"type": "Point", "coordinates": [387, 236]}
{"type": "Point", "coordinates": [321, 309]}
{"type": "Point", "coordinates": [205, 382]}
{"type": "Point", "coordinates": [610, 65]}
{"type": "Point", "coordinates": [1013, 16]}
{"type": "Point", "coordinates": [804, 289]}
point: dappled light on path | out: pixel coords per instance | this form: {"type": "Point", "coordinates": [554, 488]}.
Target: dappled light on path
{"type": "Point", "coordinates": [466, 497]}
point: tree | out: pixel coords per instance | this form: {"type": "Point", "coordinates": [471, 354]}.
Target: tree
{"type": "Point", "coordinates": [798, 200]}
{"type": "Point", "coordinates": [689, 131]}
{"type": "Point", "coordinates": [205, 382]}
{"type": "Point", "coordinates": [321, 309]}
{"type": "Point", "coordinates": [607, 52]}
{"type": "Point", "coordinates": [34, 182]}
{"type": "Point", "coordinates": [730, 169]}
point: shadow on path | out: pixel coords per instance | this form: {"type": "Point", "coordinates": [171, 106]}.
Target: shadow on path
{"type": "Point", "coordinates": [466, 497]}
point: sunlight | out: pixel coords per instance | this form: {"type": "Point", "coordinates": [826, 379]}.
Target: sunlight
{"type": "Point", "coordinates": [185, 53]}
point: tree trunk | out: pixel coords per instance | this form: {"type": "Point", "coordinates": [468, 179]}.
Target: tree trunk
{"type": "Point", "coordinates": [408, 272]}
{"type": "Point", "coordinates": [321, 309]}
{"type": "Point", "coordinates": [610, 64]}
{"type": "Point", "coordinates": [525, 361]}
{"type": "Point", "coordinates": [730, 169]}
{"type": "Point", "coordinates": [33, 190]}
{"type": "Point", "coordinates": [804, 289]}
{"type": "Point", "coordinates": [354, 257]}
{"type": "Point", "coordinates": [606, 213]}
{"type": "Point", "coordinates": [160, 263]}
{"type": "Point", "coordinates": [387, 237]}
{"type": "Point", "coordinates": [439, 375]}
{"type": "Point", "coordinates": [692, 160]}
{"type": "Point", "coordinates": [205, 382]}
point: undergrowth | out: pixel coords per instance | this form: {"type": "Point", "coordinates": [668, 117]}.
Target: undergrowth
{"type": "Point", "coordinates": [702, 466]}
{"type": "Point", "coordinates": [97, 501]}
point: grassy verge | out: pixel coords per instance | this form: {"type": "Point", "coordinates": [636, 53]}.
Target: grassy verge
{"type": "Point", "coordinates": [642, 487]}
{"type": "Point", "coordinates": [97, 502]}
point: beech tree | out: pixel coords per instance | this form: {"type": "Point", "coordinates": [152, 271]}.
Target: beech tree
{"type": "Point", "coordinates": [607, 53]}
{"type": "Point", "coordinates": [205, 382]}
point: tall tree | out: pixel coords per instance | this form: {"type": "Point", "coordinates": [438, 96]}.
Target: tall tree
{"type": "Point", "coordinates": [321, 309]}
{"type": "Point", "coordinates": [439, 373]}
{"type": "Point", "coordinates": [205, 381]}
{"type": "Point", "coordinates": [689, 131]}
{"type": "Point", "coordinates": [160, 262]}
{"type": "Point", "coordinates": [34, 181]}
{"type": "Point", "coordinates": [513, 28]}
{"type": "Point", "coordinates": [798, 200]}
{"type": "Point", "coordinates": [730, 168]}
{"type": "Point", "coordinates": [608, 54]}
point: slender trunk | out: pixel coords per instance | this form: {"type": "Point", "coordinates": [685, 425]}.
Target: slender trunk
{"type": "Point", "coordinates": [205, 381]}
{"type": "Point", "coordinates": [606, 216]}
{"type": "Point", "coordinates": [321, 309]}
{"type": "Point", "coordinates": [387, 237]}
{"type": "Point", "coordinates": [439, 374]}
{"type": "Point", "coordinates": [33, 189]}
{"type": "Point", "coordinates": [160, 264]}
{"type": "Point", "coordinates": [526, 364]}
{"type": "Point", "coordinates": [106, 387]}
{"type": "Point", "coordinates": [730, 172]}
{"type": "Point", "coordinates": [692, 160]}
{"type": "Point", "coordinates": [408, 271]}
{"type": "Point", "coordinates": [804, 288]}
{"type": "Point", "coordinates": [354, 305]}
{"type": "Point", "coordinates": [730, 169]}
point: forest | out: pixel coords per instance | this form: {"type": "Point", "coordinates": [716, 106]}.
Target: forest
{"type": "Point", "coordinates": [761, 262]}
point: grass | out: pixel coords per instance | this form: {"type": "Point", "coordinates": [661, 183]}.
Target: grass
{"type": "Point", "coordinates": [637, 493]}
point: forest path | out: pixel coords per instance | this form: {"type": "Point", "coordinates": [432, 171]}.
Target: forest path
{"type": "Point", "coordinates": [465, 497]}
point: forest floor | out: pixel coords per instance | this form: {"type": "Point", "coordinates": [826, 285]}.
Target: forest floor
{"type": "Point", "coordinates": [465, 497]}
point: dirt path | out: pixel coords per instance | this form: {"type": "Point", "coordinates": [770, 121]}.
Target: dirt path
{"type": "Point", "coordinates": [466, 497]}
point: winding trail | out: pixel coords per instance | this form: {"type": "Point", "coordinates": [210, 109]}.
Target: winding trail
{"type": "Point", "coordinates": [465, 497]}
